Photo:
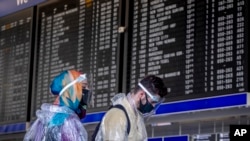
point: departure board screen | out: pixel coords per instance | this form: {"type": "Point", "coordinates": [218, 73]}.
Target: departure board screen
{"type": "Point", "coordinates": [80, 35]}
{"type": "Point", "coordinates": [15, 48]}
{"type": "Point", "coordinates": [199, 47]}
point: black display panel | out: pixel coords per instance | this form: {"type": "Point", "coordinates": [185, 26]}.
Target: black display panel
{"type": "Point", "coordinates": [199, 47]}
{"type": "Point", "coordinates": [15, 51]}
{"type": "Point", "coordinates": [81, 35]}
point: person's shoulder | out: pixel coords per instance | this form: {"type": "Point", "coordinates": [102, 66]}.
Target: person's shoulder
{"type": "Point", "coordinates": [114, 112]}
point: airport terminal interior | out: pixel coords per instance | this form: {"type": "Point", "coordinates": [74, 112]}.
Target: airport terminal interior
{"type": "Point", "coordinates": [198, 47]}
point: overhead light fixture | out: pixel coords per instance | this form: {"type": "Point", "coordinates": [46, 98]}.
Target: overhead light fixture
{"type": "Point", "coordinates": [161, 124]}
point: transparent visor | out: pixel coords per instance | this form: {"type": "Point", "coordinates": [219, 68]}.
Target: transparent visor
{"type": "Point", "coordinates": [87, 98]}
{"type": "Point", "coordinates": [156, 101]}
{"type": "Point", "coordinates": [87, 87]}
{"type": "Point", "coordinates": [155, 98]}
{"type": "Point", "coordinates": [148, 115]}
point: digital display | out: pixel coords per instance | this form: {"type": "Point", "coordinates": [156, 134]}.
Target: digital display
{"type": "Point", "coordinates": [223, 137]}
{"type": "Point", "coordinates": [79, 35]}
{"type": "Point", "coordinates": [15, 49]}
{"type": "Point", "coordinates": [211, 137]}
{"type": "Point", "coordinates": [199, 47]}
{"type": "Point", "coordinates": [205, 137]}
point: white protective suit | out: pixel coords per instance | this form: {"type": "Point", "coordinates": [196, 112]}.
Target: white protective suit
{"type": "Point", "coordinates": [114, 124]}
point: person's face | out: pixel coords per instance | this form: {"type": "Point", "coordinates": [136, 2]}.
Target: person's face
{"type": "Point", "coordinates": [146, 104]}
{"type": "Point", "coordinates": [146, 98]}
{"type": "Point", "coordinates": [149, 102]}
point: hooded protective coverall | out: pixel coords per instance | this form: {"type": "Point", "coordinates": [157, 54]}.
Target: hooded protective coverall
{"type": "Point", "coordinates": [59, 121]}
{"type": "Point", "coordinates": [56, 123]}
{"type": "Point", "coordinates": [114, 123]}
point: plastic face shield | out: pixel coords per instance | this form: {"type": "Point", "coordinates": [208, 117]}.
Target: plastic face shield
{"type": "Point", "coordinates": [79, 79]}
{"type": "Point", "coordinates": [156, 100]}
{"type": "Point", "coordinates": [86, 97]}
{"type": "Point", "coordinates": [87, 93]}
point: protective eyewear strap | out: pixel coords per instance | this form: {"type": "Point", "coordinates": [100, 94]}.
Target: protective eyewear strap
{"type": "Point", "coordinates": [67, 86]}
{"type": "Point", "coordinates": [81, 78]}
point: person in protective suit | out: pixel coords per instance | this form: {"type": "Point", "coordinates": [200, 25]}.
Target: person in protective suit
{"type": "Point", "coordinates": [61, 121]}
{"type": "Point", "coordinates": [140, 102]}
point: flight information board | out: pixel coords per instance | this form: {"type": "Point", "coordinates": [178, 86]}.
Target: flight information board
{"type": "Point", "coordinates": [199, 47]}
{"type": "Point", "coordinates": [81, 35]}
{"type": "Point", "coordinates": [15, 48]}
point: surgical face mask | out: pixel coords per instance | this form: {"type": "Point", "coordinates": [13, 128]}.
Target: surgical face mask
{"type": "Point", "coordinates": [147, 107]}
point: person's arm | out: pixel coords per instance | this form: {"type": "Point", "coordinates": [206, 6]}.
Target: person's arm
{"type": "Point", "coordinates": [114, 125]}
